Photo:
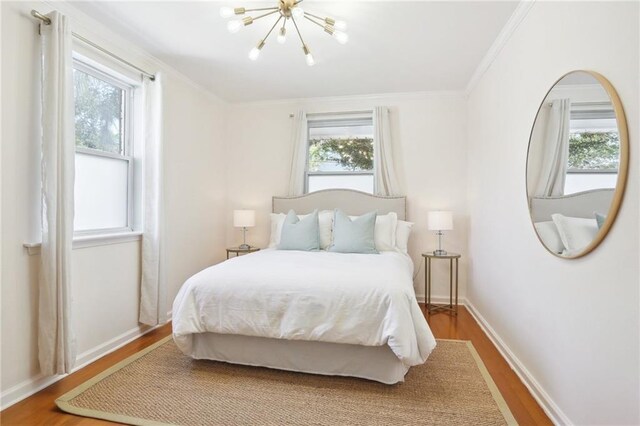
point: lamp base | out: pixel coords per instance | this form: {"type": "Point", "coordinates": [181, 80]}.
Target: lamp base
{"type": "Point", "coordinates": [244, 246]}
{"type": "Point", "coordinates": [439, 252]}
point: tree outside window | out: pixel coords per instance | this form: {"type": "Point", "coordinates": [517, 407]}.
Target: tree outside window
{"type": "Point", "coordinates": [596, 151]}
{"type": "Point", "coordinates": [353, 154]}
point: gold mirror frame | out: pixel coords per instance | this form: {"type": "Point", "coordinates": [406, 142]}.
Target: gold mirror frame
{"type": "Point", "coordinates": [623, 169]}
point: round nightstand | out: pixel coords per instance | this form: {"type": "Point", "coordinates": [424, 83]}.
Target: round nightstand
{"type": "Point", "coordinates": [240, 251]}
{"type": "Point", "coordinates": [431, 307]}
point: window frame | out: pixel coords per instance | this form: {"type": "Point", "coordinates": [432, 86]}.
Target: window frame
{"type": "Point", "coordinates": [337, 119]}
{"type": "Point", "coordinates": [127, 140]}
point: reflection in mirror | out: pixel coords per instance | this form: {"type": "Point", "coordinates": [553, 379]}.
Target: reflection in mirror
{"type": "Point", "coordinates": [576, 165]}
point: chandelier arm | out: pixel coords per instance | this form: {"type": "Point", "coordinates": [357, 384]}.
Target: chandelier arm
{"type": "Point", "coordinates": [315, 16]}
{"type": "Point", "coordinates": [271, 30]}
{"type": "Point", "coordinates": [261, 8]}
{"type": "Point", "coordinates": [295, 24]}
{"type": "Point", "coordinates": [265, 14]}
{"type": "Point", "coordinates": [317, 23]}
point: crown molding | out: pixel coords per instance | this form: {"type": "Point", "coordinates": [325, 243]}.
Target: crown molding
{"type": "Point", "coordinates": [440, 94]}
{"type": "Point", "coordinates": [501, 40]}
{"type": "Point", "coordinates": [97, 32]}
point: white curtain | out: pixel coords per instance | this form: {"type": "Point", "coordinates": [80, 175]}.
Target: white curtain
{"type": "Point", "coordinates": [555, 153]}
{"type": "Point", "coordinates": [299, 157]}
{"type": "Point", "coordinates": [56, 340]}
{"type": "Point", "coordinates": [385, 180]}
{"type": "Point", "coordinates": [153, 295]}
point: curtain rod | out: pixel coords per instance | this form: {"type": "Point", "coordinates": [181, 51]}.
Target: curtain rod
{"type": "Point", "coordinates": [45, 20]}
{"type": "Point", "coordinates": [594, 103]}
{"type": "Point", "coordinates": [336, 113]}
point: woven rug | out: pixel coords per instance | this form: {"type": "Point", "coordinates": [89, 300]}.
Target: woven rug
{"type": "Point", "coordinates": [160, 385]}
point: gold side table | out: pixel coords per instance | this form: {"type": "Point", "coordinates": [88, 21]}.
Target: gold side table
{"type": "Point", "coordinates": [239, 251]}
{"type": "Point", "coordinates": [434, 308]}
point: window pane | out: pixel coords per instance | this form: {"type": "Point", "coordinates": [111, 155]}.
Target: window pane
{"type": "Point", "coordinates": [594, 142]}
{"type": "Point", "coordinates": [341, 148]}
{"type": "Point", "coordinates": [358, 182]}
{"type": "Point", "coordinates": [100, 192]}
{"type": "Point", "coordinates": [99, 113]}
{"type": "Point", "coordinates": [589, 150]}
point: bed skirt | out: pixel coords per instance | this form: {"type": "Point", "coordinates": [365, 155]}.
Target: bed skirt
{"type": "Point", "coordinates": [377, 363]}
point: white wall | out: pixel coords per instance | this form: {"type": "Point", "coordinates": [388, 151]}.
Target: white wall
{"type": "Point", "coordinates": [573, 324]}
{"type": "Point", "coordinates": [429, 130]}
{"type": "Point", "coordinates": [105, 278]}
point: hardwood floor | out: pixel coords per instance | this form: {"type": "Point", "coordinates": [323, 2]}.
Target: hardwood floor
{"type": "Point", "coordinates": [464, 327]}
{"type": "Point", "coordinates": [40, 409]}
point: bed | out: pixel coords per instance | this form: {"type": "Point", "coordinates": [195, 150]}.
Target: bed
{"type": "Point", "coordinates": [580, 204]}
{"type": "Point", "coordinates": [575, 224]}
{"type": "Point", "coordinates": [314, 312]}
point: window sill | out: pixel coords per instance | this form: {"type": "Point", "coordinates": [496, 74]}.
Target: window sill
{"type": "Point", "coordinates": [85, 241]}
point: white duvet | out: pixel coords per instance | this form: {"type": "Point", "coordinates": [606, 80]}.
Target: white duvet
{"type": "Point", "coordinates": [364, 299]}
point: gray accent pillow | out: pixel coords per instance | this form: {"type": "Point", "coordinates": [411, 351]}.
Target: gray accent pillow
{"type": "Point", "coordinates": [300, 234]}
{"type": "Point", "coordinates": [600, 219]}
{"type": "Point", "coordinates": [354, 236]}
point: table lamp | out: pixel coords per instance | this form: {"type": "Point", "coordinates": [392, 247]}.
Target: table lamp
{"type": "Point", "coordinates": [440, 221]}
{"type": "Point", "coordinates": [244, 219]}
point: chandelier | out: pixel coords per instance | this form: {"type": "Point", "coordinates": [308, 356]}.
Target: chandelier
{"type": "Point", "coordinates": [287, 10]}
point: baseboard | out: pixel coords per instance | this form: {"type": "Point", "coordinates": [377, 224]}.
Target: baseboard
{"type": "Point", "coordinates": [540, 395]}
{"type": "Point", "coordinates": [28, 387]}
{"type": "Point", "coordinates": [87, 357]}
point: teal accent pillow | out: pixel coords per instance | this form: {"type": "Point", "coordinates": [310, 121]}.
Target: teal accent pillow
{"type": "Point", "coordinates": [353, 236]}
{"type": "Point", "coordinates": [300, 234]}
{"type": "Point", "coordinates": [600, 219]}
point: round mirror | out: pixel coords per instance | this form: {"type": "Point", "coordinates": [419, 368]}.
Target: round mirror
{"type": "Point", "coordinates": [577, 164]}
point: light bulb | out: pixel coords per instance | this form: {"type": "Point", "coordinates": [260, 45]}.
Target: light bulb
{"type": "Point", "coordinates": [342, 38]}
{"type": "Point", "coordinates": [234, 26]}
{"type": "Point", "coordinates": [253, 55]}
{"type": "Point", "coordinates": [255, 52]}
{"type": "Point", "coordinates": [297, 12]}
{"type": "Point", "coordinates": [340, 25]}
{"type": "Point", "coordinates": [282, 35]}
{"type": "Point", "coordinates": [226, 12]}
{"type": "Point", "coordinates": [310, 61]}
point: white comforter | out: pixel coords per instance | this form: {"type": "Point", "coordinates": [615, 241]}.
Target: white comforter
{"type": "Point", "coordinates": [364, 299]}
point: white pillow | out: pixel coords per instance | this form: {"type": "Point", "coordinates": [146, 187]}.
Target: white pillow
{"type": "Point", "coordinates": [277, 219]}
{"type": "Point", "coordinates": [325, 219]}
{"type": "Point", "coordinates": [548, 233]}
{"type": "Point", "coordinates": [384, 233]}
{"type": "Point", "coordinates": [403, 230]}
{"type": "Point", "coordinates": [576, 233]}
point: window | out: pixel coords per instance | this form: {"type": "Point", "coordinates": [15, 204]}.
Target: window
{"type": "Point", "coordinates": [104, 162]}
{"type": "Point", "coordinates": [594, 151]}
{"type": "Point", "coordinates": [340, 154]}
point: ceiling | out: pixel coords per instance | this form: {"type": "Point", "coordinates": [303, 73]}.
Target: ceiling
{"type": "Point", "coordinates": [394, 46]}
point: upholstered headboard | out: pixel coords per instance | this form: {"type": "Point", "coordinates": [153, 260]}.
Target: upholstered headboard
{"type": "Point", "coordinates": [350, 201]}
{"type": "Point", "coordinates": [580, 204]}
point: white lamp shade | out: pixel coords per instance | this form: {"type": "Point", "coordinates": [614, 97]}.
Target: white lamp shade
{"type": "Point", "coordinates": [440, 221]}
{"type": "Point", "coordinates": [244, 218]}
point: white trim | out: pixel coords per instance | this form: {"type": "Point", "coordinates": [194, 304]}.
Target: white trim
{"type": "Point", "coordinates": [80, 242]}
{"type": "Point", "coordinates": [379, 97]}
{"type": "Point", "coordinates": [540, 395]}
{"type": "Point", "coordinates": [501, 40]}
{"type": "Point", "coordinates": [29, 387]}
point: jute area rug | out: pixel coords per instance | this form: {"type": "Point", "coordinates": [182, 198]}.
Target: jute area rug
{"type": "Point", "coordinates": [160, 385]}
